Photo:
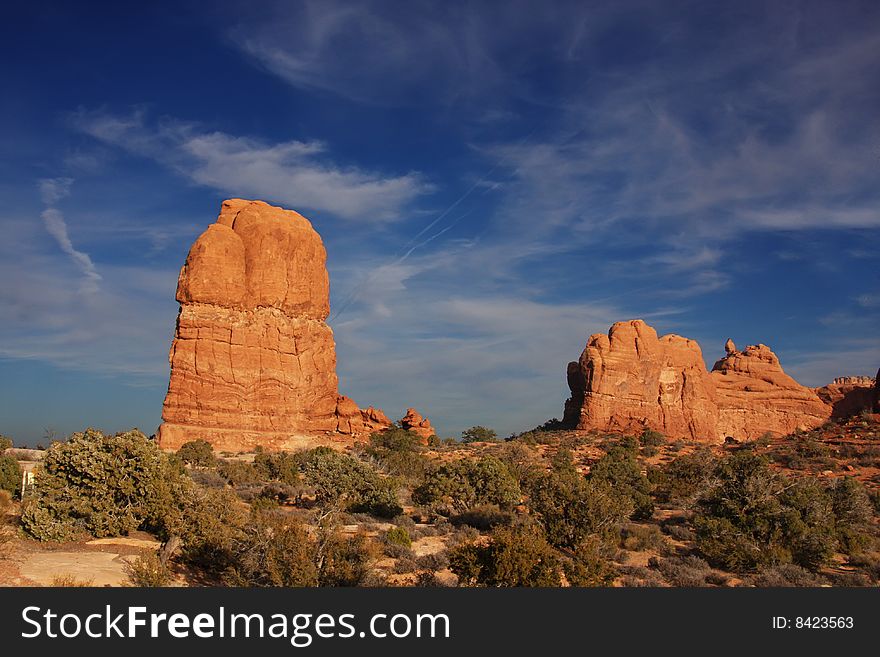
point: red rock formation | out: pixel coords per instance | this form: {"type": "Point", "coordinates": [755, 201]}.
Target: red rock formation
{"type": "Point", "coordinates": [755, 396]}
{"type": "Point", "coordinates": [413, 421]}
{"type": "Point", "coordinates": [848, 395]}
{"type": "Point", "coordinates": [631, 379]}
{"type": "Point", "coordinates": [253, 361]}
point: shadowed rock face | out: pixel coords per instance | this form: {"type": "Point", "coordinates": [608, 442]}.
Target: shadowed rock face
{"type": "Point", "coordinates": [253, 361]}
{"type": "Point", "coordinates": [631, 379]}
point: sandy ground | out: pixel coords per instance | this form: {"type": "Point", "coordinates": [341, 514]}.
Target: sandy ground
{"type": "Point", "coordinates": [100, 562]}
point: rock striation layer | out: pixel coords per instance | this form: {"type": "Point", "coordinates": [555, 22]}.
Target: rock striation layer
{"type": "Point", "coordinates": [631, 379]}
{"type": "Point", "coordinates": [253, 362]}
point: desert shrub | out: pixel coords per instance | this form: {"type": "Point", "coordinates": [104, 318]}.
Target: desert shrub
{"type": "Point", "coordinates": [620, 469]}
{"type": "Point", "coordinates": [6, 534]}
{"type": "Point", "coordinates": [464, 484]}
{"type": "Point", "coordinates": [643, 537]}
{"type": "Point", "coordinates": [272, 550]}
{"type": "Point", "coordinates": [277, 466]}
{"type": "Point", "coordinates": [640, 577]}
{"type": "Point", "coordinates": [343, 560]}
{"type": "Point", "coordinates": [70, 581]}
{"type": "Point", "coordinates": [869, 563]}
{"type": "Point", "coordinates": [397, 551]}
{"type": "Point", "coordinates": [587, 566]}
{"type": "Point", "coordinates": [405, 565]}
{"type": "Point", "coordinates": [852, 510]}
{"type": "Point", "coordinates": [239, 473]}
{"type": "Point", "coordinates": [5, 443]}
{"type": "Point", "coordinates": [757, 517]}
{"type": "Point", "coordinates": [478, 434]}
{"type": "Point", "coordinates": [520, 459]}
{"type": "Point", "coordinates": [207, 478]}
{"type": "Point", "coordinates": [10, 474]}
{"type": "Point", "coordinates": [198, 453]}
{"type": "Point", "coordinates": [514, 556]}
{"type": "Point", "coordinates": [785, 575]}
{"type": "Point", "coordinates": [483, 516]}
{"type": "Point", "coordinates": [148, 570]}
{"type": "Point", "coordinates": [688, 571]}
{"type": "Point", "coordinates": [339, 478]}
{"type": "Point", "coordinates": [686, 478]}
{"type": "Point", "coordinates": [398, 536]}
{"type": "Point", "coordinates": [651, 438]}
{"type": "Point", "coordinates": [103, 486]}
{"type": "Point", "coordinates": [399, 452]}
{"type": "Point", "coordinates": [680, 532]}
{"type": "Point", "coordinates": [210, 523]}
{"type": "Point", "coordinates": [571, 508]}
{"type": "Point", "coordinates": [433, 561]}
{"type": "Point", "coordinates": [427, 578]}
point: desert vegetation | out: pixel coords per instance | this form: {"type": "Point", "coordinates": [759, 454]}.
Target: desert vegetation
{"type": "Point", "coordinates": [549, 507]}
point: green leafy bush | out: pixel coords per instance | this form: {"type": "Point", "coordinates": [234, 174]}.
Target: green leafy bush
{"type": "Point", "coordinates": [620, 469]}
{"type": "Point", "coordinates": [339, 478]}
{"type": "Point", "coordinates": [5, 443]}
{"type": "Point", "coordinates": [239, 473]}
{"type": "Point", "coordinates": [277, 466]}
{"type": "Point", "coordinates": [757, 517]}
{"type": "Point", "coordinates": [209, 525]}
{"type": "Point", "coordinates": [651, 438]}
{"type": "Point", "coordinates": [398, 536]}
{"type": "Point", "coordinates": [400, 453]}
{"type": "Point", "coordinates": [10, 474]}
{"type": "Point", "coordinates": [587, 566]}
{"type": "Point", "coordinates": [101, 485]}
{"type": "Point", "coordinates": [198, 453]}
{"type": "Point", "coordinates": [685, 479]}
{"type": "Point", "coordinates": [464, 484]}
{"type": "Point", "coordinates": [343, 560]}
{"type": "Point", "coordinates": [272, 550]}
{"type": "Point", "coordinates": [852, 510]}
{"type": "Point", "coordinates": [571, 508]}
{"type": "Point", "coordinates": [478, 434]}
{"type": "Point", "coordinates": [514, 556]}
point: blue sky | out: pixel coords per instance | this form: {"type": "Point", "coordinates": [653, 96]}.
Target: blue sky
{"type": "Point", "coordinates": [493, 181]}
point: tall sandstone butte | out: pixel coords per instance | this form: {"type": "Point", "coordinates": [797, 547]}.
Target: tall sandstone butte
{"type": "Point", "coordinates": [253, 362]}
{"type": "Point", "coordinates": [631, 379]}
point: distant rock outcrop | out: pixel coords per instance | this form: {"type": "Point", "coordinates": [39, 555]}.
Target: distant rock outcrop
{"type": "Point", "coordinates": [630, 379]}
{"type": "Point", "coordinates": [849, 395]}
{"type": "Point", "coordinates": [253, 362]}
{"type": "Point", "coordinates": [756, 397]}
{"type": "Point", "coordinates": [413, 421]}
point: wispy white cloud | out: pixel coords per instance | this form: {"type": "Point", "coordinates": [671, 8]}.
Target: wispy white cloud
{"type": "Point", "coordinates": [295, 173]}
{"type": "Point", "coordinates": [123, 327]}
{"type": "Point", "coordinates": [53, 190]}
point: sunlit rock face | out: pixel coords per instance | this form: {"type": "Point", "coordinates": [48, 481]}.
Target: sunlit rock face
{"type": "Point", "coordinates": [253, 362]}
{"type": "Point", "coordinates": [630, 379]}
